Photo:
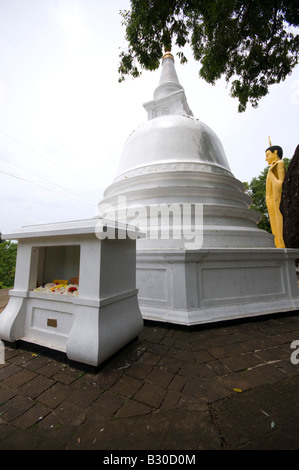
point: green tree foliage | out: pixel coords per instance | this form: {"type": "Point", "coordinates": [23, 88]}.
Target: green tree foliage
{"type": "Point", "coordinates": [256, 189]}
{"type": "Point", "coordinates": [8, 253]}
{"type": "Point", "coordinates": [252, 43]}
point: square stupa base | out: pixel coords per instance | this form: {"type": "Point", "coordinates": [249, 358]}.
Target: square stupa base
{"type": "Point", "coordinates": [211, 285]}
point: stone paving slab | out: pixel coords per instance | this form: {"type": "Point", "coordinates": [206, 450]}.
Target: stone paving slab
{"type": "Point", "coordinates": [225, 386]}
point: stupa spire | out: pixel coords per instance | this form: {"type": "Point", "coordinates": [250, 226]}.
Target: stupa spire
{"type": "Point", "coordinates": [169, 81]}
{"type": "Point", "coordinates": [169, 96]}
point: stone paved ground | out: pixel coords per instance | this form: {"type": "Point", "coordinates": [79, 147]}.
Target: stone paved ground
{"type": "Point", "coordinates": [225, 386]}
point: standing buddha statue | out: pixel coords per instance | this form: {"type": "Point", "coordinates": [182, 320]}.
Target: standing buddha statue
{"type": "Point", "coordinates": [275, 178]}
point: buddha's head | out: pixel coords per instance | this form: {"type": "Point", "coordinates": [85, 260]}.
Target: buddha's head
{"type": "Point", "coordinates": [273, 154]}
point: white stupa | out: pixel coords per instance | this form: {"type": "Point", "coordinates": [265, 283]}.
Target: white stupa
{"type": "Point", "coordinates": [204, 258]}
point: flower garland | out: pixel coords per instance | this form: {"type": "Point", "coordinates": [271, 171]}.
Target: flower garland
{"type": "Point", "coordinates": [58, 288]}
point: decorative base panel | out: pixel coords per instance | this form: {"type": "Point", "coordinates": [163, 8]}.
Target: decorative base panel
{"type": "Point", "coordinates": [204, 286]}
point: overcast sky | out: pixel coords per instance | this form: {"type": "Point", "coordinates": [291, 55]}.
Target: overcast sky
{"type": "Point", "coordinates": [64, 117]}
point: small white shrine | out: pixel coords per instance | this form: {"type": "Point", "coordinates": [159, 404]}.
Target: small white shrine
{"type": "Point", "coordinates": [75, 289]}
{"type": "Point", "coordinates": [204, 259]}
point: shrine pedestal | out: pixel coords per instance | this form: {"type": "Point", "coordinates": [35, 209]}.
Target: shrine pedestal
{"type": "Point", "coordinates": [100, 314]}
{"type": "Point", "coordinates": [191, 287]}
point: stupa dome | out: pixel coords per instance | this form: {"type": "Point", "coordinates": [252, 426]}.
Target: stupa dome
{"type": "Point", "coordinates": [172, 139]}
{"type": "Point", "coordinates": [174, 159]}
